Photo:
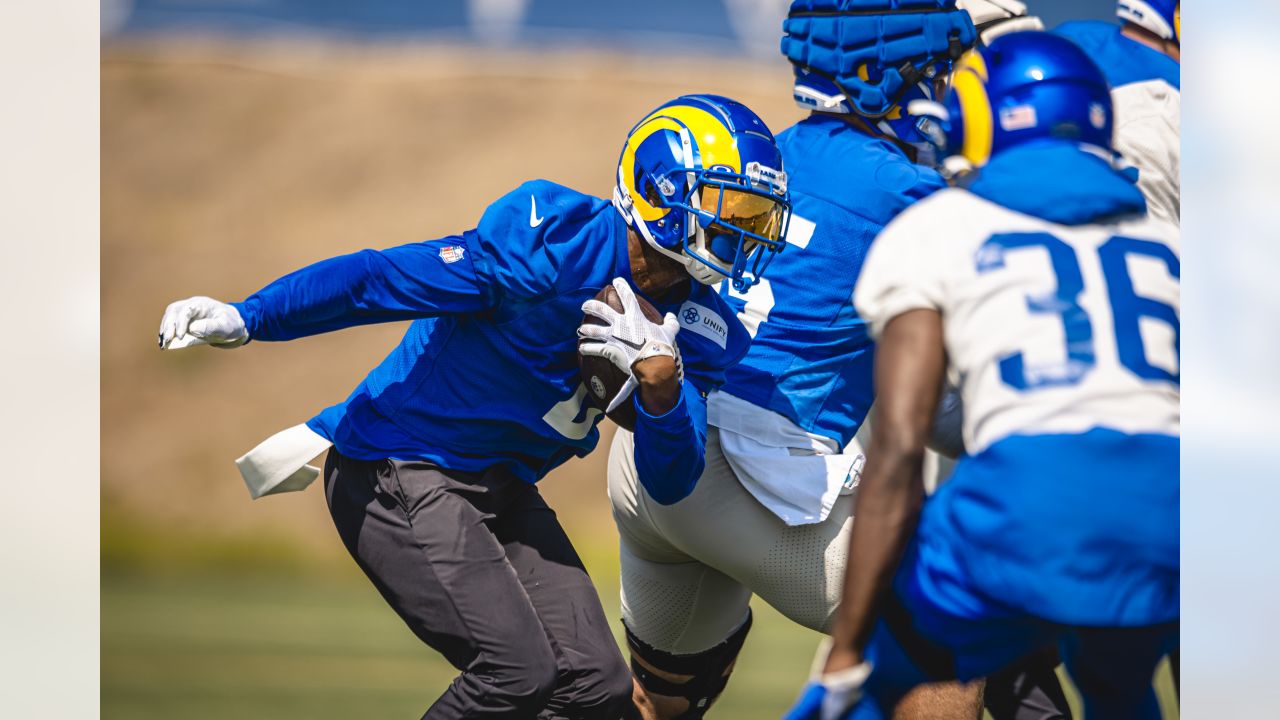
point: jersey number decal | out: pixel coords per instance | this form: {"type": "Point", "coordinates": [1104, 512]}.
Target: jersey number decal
{"type": "Point", "coordinates": [1127, 307]}
{"type": "Point", "coordinates": [759, 301]}
{"type": "Point", "coordinates": [758, 298]}
{"type": "Point", "coordinates": [567, 418]}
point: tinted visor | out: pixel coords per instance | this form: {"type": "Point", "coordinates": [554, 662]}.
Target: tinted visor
{"type": "Point", "coordinates": [740, 216]}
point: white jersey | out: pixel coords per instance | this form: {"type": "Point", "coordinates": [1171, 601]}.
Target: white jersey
{"type": "Point", "coordinates": [1148, 134]}
{"type": "Point", "coordinates": [1148, 105]}
{"type": "Point", "coordinates": [1050, 329]}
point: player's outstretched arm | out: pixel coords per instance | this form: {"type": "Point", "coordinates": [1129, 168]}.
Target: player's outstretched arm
{"type": "Point", "coordinates": [910, 360]}
{"type": "Point", "coordinates": [371, 286]}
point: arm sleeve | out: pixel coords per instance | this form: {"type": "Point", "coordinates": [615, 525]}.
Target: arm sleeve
{"type": "Point", "coordinates": [898, 275]}
{"type": "Point", "coordinates": [669, 448]}
{"type": "Point", "coordinates": [371, 286]}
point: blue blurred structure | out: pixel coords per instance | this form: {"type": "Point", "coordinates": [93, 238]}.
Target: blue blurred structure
{"type": "Point", "coordinates": [728, 27]}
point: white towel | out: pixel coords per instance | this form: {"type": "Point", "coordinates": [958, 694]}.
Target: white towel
{"type": "Point", "coordinates": [279, 463]}
{"type": "Point", "coordinates": [797, 475]}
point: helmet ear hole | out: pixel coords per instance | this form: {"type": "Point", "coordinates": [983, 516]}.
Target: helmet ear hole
{"type": "Point", "coordinates": [651, 194]}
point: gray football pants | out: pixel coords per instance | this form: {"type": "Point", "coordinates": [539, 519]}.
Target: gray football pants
{"type": "Point", "coordinates": [689, 569]}
{"type": "Point", "coordinates": [479, 569]}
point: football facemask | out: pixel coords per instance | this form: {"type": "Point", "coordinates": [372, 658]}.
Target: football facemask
{"type": "Point", "coordinates": [736, 231]}
{"type": "Point", "coordinates": [746, 221]}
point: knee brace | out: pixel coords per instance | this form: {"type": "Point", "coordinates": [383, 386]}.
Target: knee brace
{"type": "Point", "coordinates": [710, 670]}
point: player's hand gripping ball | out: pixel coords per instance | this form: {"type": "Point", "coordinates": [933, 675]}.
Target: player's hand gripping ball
{"type": "Point", "coordinates": [619, 329]}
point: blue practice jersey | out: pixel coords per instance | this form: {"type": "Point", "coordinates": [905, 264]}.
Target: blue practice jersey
{"type": "Point", "coordinates": [487, 374]}
{"type": "Point", "coordinates": [811, 357]}
{"type": "Point", "coordinates": [1123, 61]}
{"type": "Point", "coordinates": [1145, 93]}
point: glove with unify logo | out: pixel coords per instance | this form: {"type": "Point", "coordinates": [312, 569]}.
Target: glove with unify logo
{"type": "Point", "coordinates": [202, 321]}
{"type": "Point", "coordinates": [628, 337]}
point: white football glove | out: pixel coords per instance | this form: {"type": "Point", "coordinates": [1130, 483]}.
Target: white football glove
{"type": "Point", "coordinates": [994, 18]}
{"type": "Point", "coordinates": [830, 696]}
{"type": "Point", "coordinates": [202, 321]}
{"type": "Point", "coordinates": [628, 337]}
{"type": "Point", "coordinates": [844, 690]}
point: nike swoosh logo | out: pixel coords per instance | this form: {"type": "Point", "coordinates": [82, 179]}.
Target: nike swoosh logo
{"type": "Point", "coordinates": [534, 220]}
{"type": "Point", "coordinates": [632, 345]}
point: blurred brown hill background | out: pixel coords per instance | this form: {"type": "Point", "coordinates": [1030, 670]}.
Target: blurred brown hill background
{"type": "Point", "coordinates": [226, 164]}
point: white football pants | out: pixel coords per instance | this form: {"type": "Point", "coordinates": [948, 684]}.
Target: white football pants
{"type": "Point", "coordinates": [689, 569]}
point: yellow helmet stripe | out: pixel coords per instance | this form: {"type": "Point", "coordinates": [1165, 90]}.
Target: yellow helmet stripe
{"type": "Point", "coordinates": [969, 84]}
{"type": "Point", "coordinates": [647, 127]}
{"type": "Point", "coordinates": [709, 134]}
{"type": "Point", "coordinates": [974, 61]}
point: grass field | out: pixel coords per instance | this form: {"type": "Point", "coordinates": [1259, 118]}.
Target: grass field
{"type": "Point", "coordinates": [258, 648]}
{"type": "Point", "coordinates": [213, 646]}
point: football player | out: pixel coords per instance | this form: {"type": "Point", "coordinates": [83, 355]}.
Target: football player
{"type": "Point", "coordinates": [1142, 61]}
{"type": "Point", "coordinates": [772, 511]}
{"type": "Point", "coordinates": [431, 479]}
{"type": "Point", "coordinates": [1051, 296]}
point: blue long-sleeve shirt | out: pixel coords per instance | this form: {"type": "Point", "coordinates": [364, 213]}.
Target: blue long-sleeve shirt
{"type": "Point", "coordinates": [1122, 59]}
{"type": "Point", "coordinates": [487, 374]}
{"type": "Point", "coordinates": [811, 357]}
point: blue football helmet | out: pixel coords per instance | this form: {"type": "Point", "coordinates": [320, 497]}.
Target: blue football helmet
{"type": "Point", "coordinates": [868, 55]}
{"type": "Point", "coordinates": [1024, 86]}
{"type": "Point", "coordinates": [1162, 17]}
{"type": "Point", "coordinates": [701, 180]}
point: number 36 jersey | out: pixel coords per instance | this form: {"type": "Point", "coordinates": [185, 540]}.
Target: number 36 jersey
{"type": "Point", "coordinates": [1050, 329]}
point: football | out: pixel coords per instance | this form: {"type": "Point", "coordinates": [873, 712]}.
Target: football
{"type": "Point", "coordinates": [604, 379]}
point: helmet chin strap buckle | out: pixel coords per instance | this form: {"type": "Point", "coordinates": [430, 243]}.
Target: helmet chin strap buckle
{"type": "Point", "coordinates": [702, 265]}
{"type": "Point", "coordinates": [702, 271]}
{"type": "Point", "coordinates": [622, 201]}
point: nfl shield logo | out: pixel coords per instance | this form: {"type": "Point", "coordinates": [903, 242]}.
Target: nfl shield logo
{"type": "Point", "coordinates": [452, 254]}
{"type": "Point", "coordinates": [1097, 115]}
